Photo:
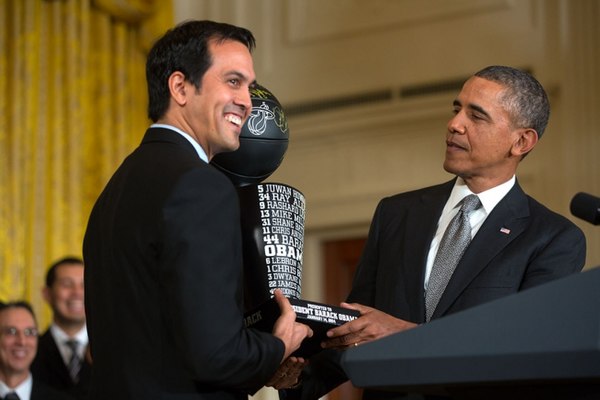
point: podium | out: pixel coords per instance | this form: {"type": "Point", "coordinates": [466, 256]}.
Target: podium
{"type": "Point", "coordinates": [542, 343]}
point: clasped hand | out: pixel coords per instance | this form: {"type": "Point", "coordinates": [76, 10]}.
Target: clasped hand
{"type": "Point", "coordinates": [288, 373]}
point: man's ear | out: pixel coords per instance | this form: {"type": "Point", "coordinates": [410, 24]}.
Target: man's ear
{"type": "Point", "coordinates": [177, 87]}
{"type": "Point", "coordinates": [526, 141]}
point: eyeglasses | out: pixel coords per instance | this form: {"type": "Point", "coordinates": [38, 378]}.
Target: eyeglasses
{"type": "Point", "coordinates": [11, 331]}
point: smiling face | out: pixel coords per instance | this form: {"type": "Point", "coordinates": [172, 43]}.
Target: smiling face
{"type": "Point", "coordinates": [66, 297]}
{"type": "Point", "coordinates": [18, 344]}
{"type": "Point", "coordinates": [215, 113]}
{"type": "Point", "coordinates": [483, 145]}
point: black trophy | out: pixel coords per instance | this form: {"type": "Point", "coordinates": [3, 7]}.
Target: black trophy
{"type": "Point", "coordinates": [272, 220]}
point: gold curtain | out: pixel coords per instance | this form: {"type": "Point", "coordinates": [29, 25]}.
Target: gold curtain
{"type": "Point", "coordinates": [72, 106]}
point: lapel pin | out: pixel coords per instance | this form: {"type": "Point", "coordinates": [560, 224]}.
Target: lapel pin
{"type": "Point", "coordinates": [506, 231]}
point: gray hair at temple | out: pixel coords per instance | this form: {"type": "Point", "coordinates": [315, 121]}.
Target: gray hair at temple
{"type": "Point", "coordinates": [524, 98]}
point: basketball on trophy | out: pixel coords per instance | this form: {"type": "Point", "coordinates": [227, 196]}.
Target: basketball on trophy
{"type": "Point", "coordinates": [263, 141]}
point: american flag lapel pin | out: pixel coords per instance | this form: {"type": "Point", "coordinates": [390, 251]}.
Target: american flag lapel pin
{"type": "Point", "coordinates": [504, 230]}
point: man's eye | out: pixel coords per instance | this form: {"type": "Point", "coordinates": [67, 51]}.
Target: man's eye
{"type": "Point", "coordinates": [10, 331]}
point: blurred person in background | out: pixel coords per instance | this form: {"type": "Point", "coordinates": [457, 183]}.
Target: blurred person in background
{"type": "Point", "coordinates": [62, 361]}
{"type": "Point", "coordinates": [18, 346]}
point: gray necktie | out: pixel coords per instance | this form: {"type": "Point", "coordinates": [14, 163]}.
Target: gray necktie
{"type": "Point", "coordinates": [11, 396]}
{"type": "Point", "coordinates": [452, 246]}
{"type": "Point", "coordinates": [74, 362]}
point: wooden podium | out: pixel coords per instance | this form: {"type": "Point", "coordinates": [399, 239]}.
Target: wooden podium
{"type": "Point", "coordinates": [542, 343]}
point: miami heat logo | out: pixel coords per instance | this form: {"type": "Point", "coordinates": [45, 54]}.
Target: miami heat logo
{"type": "Point", "coordinates": [257, 123]}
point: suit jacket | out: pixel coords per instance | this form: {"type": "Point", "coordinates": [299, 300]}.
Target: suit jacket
{"type": "Point", "coordinates": [50, 368]}
{"type": "Point", "coordinates": [163, 275]}
{"type": "Point", "coordinates": [521, 244]}
{"type": "Point", "coordinates": [40, 391]}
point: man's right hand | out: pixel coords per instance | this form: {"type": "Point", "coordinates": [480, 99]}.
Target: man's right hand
{"type": "Point", "coordinates": [286, 328]}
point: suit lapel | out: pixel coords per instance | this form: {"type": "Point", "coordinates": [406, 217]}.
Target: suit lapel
{"type": "Point", "coordinates": [504, 224]}
{"type": "Point", "coordinates": [57, 360]}
{"type": "Point", "coordinates": [421, 226]}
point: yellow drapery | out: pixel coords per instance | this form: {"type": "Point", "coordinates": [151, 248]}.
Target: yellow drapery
{"type": "Point", "coordinates": [72, 105]}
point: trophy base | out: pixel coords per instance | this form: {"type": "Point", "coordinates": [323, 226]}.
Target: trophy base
{"type": "Point", "coordinates": [320, 317]}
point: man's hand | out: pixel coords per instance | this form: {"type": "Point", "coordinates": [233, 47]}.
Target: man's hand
{"type": "Point", "coordinates": [288, 373]}
{"type": "Point", "coordinates": [286, 328]}
{"type": "Point", "coordinates": [372, 324]}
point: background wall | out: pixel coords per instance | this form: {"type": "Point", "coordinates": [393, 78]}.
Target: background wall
{"type": "Point", "coordinates": [368, 89]}
{"type": "Point", "coordinates": [72, 105]}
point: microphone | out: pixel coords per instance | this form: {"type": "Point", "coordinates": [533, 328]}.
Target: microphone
{"type": "Point", "coordinates": [586, 207]}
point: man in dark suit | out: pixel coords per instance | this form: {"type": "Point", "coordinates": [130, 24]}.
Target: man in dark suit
{"type": "Point", "coordinates": [18, 346]}
{"type": "Point", "coordinates": [515, 242]}
{"type": "Point", "coordinates": [61, 360]}
{"type": "Point", "coordinates": [163, 251]}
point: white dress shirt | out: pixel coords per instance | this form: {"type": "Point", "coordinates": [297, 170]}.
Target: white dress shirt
{"type": "Point", "coordinates": [60, 337]}
{"type": "Point", "coordinates": [23, 390]}
{"type": "Point", "coordinates": [489, 199]}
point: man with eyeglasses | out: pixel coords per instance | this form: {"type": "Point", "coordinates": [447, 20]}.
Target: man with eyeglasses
{"type": "Point", "coordinates": [18, 346]}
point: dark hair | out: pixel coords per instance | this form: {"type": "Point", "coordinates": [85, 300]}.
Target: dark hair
{"type": "Point", "coordinates": [51, 274]}
{"type": "Point", "coordinates": [18, 304]}
{"type": "Point", "coordinates": [525, 98]}
{"type": "Point", "coordinates": [185, 49]}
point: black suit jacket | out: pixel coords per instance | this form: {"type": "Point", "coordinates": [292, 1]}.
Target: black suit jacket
{"type": "Point", "coordinates": [40, 391]}
{"type": "Point", "coordinates": [49, 368]}
{"type": "Point", "coordinates": [163, 282]}
{"type": "Point", "coordinates": [521, 244]}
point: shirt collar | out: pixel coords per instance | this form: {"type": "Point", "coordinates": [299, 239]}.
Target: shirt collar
{"type": "Point", "coordinates": [489, 198]}
{"type": "Point", "coordinates": [23, 390]}
{"type": "Point", "coordinates": [60, 336]}
{"type": "Point", "coordinates": [199, 149]}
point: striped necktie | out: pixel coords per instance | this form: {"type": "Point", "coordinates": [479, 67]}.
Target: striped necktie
{"type": "Point", "coordinates": [74, 365]}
